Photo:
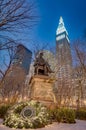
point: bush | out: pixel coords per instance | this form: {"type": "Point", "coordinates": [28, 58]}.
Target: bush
{"type": "Point", "coordinates": [16, 117]}
{"type": "Point", "coordinates": [64, 115]}
{"type": "Point", "coordinates": [81, 114]}
{"type": "Point", "coordinates": [52, 115]}
{"type": "Point", "coordinates": [33, 114]}
{"type": "Point", "coordinates": [3, 110]}
{"type": "Point", "coordinates": [19, 109]}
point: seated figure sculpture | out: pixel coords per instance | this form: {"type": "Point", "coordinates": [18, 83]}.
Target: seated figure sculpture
{"type": "Point", "coordinates": [41, 66]}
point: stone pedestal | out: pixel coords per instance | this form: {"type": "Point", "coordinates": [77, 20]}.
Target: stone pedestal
{"type": "Point", "coordinates": [42, 89]}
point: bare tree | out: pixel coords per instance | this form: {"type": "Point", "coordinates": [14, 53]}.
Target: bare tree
{"type": "Point", "coordinates": [80, 71]}
{"type": "Point", "coordinates": [80, 51]}
{"type": "Point", "coordinates": [15, 17]}
{"type": "Point", "coordinates": [13, 85]}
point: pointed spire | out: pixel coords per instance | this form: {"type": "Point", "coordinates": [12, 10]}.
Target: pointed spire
{"type": "Point", "coordinates": [61, 20]}
{"type": "Point", "coordinates": [61, 27]}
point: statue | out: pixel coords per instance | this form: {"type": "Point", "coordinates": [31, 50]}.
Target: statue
{"type": "Point", "coordinates": [41, 66]}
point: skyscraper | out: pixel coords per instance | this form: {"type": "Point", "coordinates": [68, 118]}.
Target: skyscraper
{"type": "Point", "coordinates": [22, 58]}
{"type": "Point", "coordinates": [64, 58]}
{"type": "Point", "coordinates": [64, 64]}
{"type": "Point", "coordinates": [14, 83]}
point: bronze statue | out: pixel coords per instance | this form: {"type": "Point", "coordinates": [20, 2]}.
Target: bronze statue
{"type": "Point", "coordinates": [41, 66]}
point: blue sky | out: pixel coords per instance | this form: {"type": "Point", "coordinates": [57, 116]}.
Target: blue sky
{"type": "Point", "coordinates": [49, 11]}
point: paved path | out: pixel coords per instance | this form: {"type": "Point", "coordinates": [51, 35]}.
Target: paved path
{"type": "Point", "coordinates": [79, 125]}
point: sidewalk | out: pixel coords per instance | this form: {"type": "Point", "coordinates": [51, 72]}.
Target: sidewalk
{"type": "Point", "coordinates": [79, 125]}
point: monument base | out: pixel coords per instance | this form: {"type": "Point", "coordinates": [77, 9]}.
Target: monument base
{"type": "Point", "coordinates": [42, 90]}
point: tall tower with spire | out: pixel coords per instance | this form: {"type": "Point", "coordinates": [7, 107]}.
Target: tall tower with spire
{"type": "Point", "coordinates": [64, 58]}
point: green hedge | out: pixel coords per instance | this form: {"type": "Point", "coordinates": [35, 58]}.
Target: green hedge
{"type": "Point", "coordinates": [64, 115]}
{"type": "Point", "coordinates": [43, 116]}
{"type": "Point", "coordinates": [3, 110]}
{"type": "Point", "coordinates": [81, 114]}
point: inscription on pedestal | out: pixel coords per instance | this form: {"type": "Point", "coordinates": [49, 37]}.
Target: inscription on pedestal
{"type": "Point", "coordinates": [42, 89]}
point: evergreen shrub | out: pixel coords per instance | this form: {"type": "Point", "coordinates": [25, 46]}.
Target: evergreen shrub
{"type": "Point", "coordinates": [63, 115]}
{"type": "Point", "coordinates": [3, 110]}
{"type": "Point", "coordinates": [81, 114]}
{"type": "Point", "coordinates": [15, 119]}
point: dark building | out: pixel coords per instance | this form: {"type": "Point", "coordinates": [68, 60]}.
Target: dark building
{"type": "Point", "coordinates": [64, 58]}
{"type": "Point", "coordinates": [22, 58]}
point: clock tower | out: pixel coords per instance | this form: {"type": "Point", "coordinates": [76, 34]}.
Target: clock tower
{"type": "Point", "coordinates": [64, 58]}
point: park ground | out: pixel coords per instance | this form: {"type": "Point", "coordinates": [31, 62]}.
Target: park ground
{"type": "Point", "coordinates": [79, 125]}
